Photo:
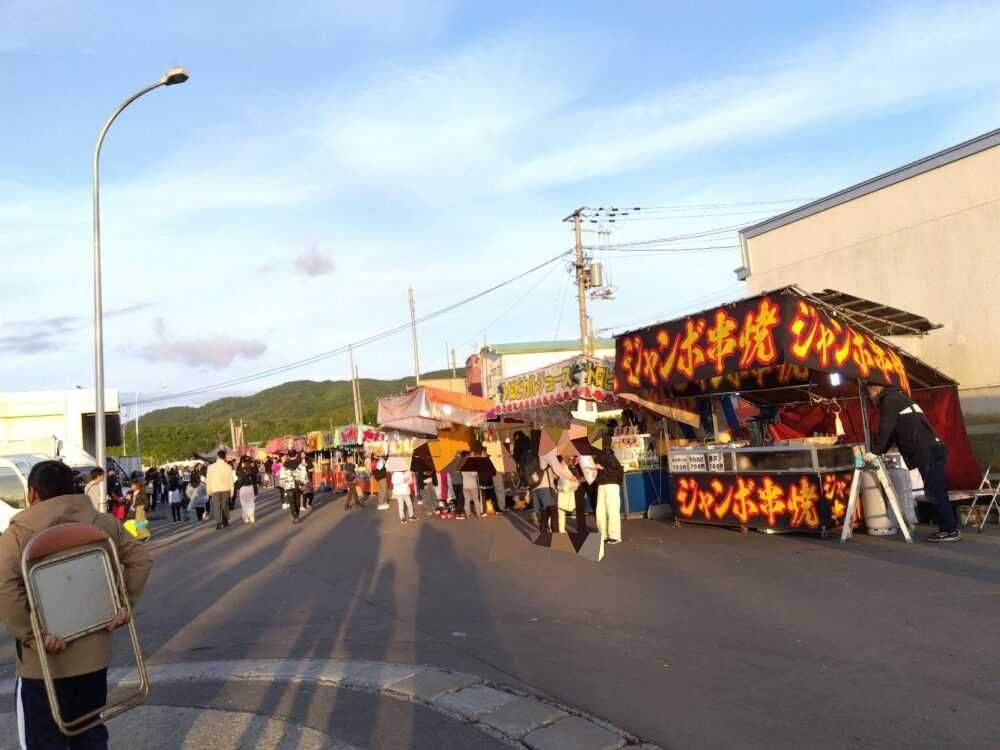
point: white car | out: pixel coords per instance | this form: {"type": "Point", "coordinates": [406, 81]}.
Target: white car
{"type": "Point", "coordinates": [14, 472]}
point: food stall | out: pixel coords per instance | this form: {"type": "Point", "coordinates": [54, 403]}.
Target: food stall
{"type": "Point", "coordinates": [430, 425]}
{"type": "Point", "coordinates": [796, 361]}
{"type": "Point", "coordinates": [575, 390]}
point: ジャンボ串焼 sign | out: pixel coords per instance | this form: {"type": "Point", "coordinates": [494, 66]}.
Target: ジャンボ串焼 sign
{"type": "Point", "coordinates": [768, 333]}
{"type": "Point", "coordinates": [803, 502]}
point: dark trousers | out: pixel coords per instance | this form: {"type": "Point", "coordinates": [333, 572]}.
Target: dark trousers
{"type": "Point", "coordinates": [294, 498]}
{"type": "Point", "coordinates": [459, 498]}
{"type": "Point", "coordinates": [220, 508]}
{"type": "Point", "coordinates": [175, 511]}
{"type": "Point", "coordinates": [936, 488]}
{"type": "Point", "coordinates": [352, 495]}
{"type": "Point", "coordinates": [77, 696]}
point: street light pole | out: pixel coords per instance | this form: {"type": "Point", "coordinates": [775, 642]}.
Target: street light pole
{"type": "Point", "coordinates": [170, 78]}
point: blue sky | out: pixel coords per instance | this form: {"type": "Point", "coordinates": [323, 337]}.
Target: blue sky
{"type": "Point", "coordinates": [325, 155]}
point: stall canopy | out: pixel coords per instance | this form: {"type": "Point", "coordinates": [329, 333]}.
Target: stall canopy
{"type": "Point", "coordinates": [797, 350]}
{"type": "Point", "coordinates": [424, 409]}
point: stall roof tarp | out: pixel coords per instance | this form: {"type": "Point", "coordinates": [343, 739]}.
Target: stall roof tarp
{"type": "Point", "coordinates": [876, 317]}
{"type": "Point", "coordinates": [771, 341]}
{"type": "Point", "coordinates": [424, 409]}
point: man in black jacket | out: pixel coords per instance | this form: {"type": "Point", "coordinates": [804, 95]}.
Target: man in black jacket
{"type": "Point", "coordinates": [609, 498]}
{"type": "Point", "coordinates": [904, 423]}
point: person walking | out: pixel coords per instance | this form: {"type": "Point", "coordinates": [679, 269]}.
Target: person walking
{"type": "Point", "coordinates": [471, 492]}
{"type": "Point", "coordinates": [609, 501]}
{"type": "Point", "coordinates": [308, 489]}
{"type": "Point", "coordinates": [380, 474]}
{"type": "Point", "coordinates": [80, 669]}
{"type": "Point", "coordinates": [903, 423]}
{"type": "Point", "coordinates": [351, 480]}
{"type": "Point", "coordinates": [275, 473]}
{"type": "Point", "coordinates": [93, 488]}
{"type": "Point", "coordinates": [219, 481]}
{"type": "Point", "coordinates": [293, 479]}
{"type": "Point", "coordinates": [175, 498]}
{"type": "Point", "coordinates": [246, 488]}
{"type": "Point", "coordinates": [403, 492]}
{"type": "Point", "coordinates": [197, 496]}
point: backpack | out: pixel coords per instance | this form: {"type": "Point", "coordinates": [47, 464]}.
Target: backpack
{"type": "Point", "coordinates": [530, 470]}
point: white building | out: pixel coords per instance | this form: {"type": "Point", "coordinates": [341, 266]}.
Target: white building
{"type": "Point", "coordinates": [55, 422]}
{"type": "Point", "coordinates": [924, 238]}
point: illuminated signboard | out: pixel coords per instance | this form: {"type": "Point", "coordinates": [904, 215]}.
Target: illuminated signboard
{"type": "Point", "coordinates": [558, 378]}
{"type": "Point", "coordinates": [784, 502]}
{"type": "Point", "coordinates": [770, 339]}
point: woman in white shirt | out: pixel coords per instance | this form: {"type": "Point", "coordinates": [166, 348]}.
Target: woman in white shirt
{"type": "Point", "coordinates": [401, 481]}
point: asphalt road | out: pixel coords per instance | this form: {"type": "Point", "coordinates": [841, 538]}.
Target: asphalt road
{"type": "Point", "coordinates": [692, 638]}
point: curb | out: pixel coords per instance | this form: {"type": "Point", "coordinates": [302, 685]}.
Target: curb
{"type": "Point", "coordinates": [519, 719]}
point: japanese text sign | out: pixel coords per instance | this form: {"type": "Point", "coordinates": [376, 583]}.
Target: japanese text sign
{"type": "Point", "coordinates": [754, 334]}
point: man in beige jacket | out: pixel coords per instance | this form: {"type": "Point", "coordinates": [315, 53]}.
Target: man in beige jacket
{"type": "Point", "coordinates": [80, 668]}
{"type": "Point", "coordinates": [220, 481]}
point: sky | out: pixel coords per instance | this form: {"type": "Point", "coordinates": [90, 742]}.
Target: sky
{"type": "Point", "coordinates": [325, 156]}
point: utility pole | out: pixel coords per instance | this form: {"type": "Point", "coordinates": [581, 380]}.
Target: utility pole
{"type": "Point", "coordinates": [453, 367]}
{"type": "Point", "coordinates": [413, 327]}
{"type": "Point", "coordinates": [243, 436]}
{"type": "Point", "coordinates": [361, 403]}
{"type": "Point", "coordinates": [138, 452]}
{"type": "Point", "coordinates": [354, 385]}
{"type": "Point", "coordinates": [582, 282]}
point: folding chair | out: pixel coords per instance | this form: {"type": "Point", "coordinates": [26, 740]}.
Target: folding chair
{"type": "Point", "coordinates": [986, 489]}
{"type": "Point", "coordinates": [76, 587]}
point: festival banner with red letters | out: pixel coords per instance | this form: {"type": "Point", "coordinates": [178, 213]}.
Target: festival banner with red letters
{"type": "Point", "coordinates": [783, 502]}
{"type": "Point", "coordinates": [783, 336]}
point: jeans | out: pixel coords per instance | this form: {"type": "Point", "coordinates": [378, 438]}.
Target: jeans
{"type": "Point", "coordinates": [77, 696]}
{"type": "Point", "coordinates": [405, 505]}
{"type": "Point", "coordinates": [936, 488]}
{"type": "Point", "coordinates": [175, 511]}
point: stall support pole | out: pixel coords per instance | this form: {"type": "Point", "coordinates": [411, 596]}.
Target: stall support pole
{"type": "Point", "coordinates": [863, 406]}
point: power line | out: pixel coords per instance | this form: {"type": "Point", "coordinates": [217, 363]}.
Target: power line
{"type": "Point", "coordinates": [673, 249]}
{"type": "Point", "coordinates": [355, 344]}
{"type": "Point", "coordinates": [677, 310]}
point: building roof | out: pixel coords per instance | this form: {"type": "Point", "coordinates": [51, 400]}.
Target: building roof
{"type": "Point", "coordinates": [876, 317]}
{"type": "Point", "coordinates": [905, 172]}
{"type": "Point", "coordinates": [538, 347]}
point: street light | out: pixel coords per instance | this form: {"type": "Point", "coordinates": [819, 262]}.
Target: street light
{"type": "Point", "coordinates": [170, 78]}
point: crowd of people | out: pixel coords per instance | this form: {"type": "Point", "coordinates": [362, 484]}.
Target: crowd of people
{"type": "Point", "coordinates": [549, 485]}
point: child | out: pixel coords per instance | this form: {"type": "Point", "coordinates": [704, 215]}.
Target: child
{"type": "Point", "coordinates": [428, 498]}
{"type": "Point", "coordinates": [197, 497]}
{"type": "Point", "coordinates": [401, 491]}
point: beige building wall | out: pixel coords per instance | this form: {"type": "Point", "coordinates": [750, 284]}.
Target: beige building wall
{"type": "Point", "coordinates": [929, 245]}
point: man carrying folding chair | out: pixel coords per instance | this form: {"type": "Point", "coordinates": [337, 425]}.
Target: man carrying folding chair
{"type": "Point", "coordinates": [80, 668]}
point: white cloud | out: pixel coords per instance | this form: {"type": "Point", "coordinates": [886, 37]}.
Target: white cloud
{"type": "Point", "coordinates": [313, 262]}
{"type": "Point", "coordinates": [210, 352]}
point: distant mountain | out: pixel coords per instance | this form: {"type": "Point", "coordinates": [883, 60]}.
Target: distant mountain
{"type": "Point", "coordinates": [295, 407]}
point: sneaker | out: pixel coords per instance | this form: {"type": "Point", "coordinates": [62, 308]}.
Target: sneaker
{"type": "Point", "coordinates": [945, 536]}
{"type": "Point", "coordinates": [613, 541]}
{"type": "Point", "coordinates": [403, 522]}
{"type": "Point", "coordinates": [384, 506]}
{"type": "Point", "coordinates": [285, 506]}
{"type": "Point", "coordinates": [460, 516]}
{"type": "Point", "coordinates": [413, 518]}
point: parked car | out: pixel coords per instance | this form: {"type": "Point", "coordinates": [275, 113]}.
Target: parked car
{"type": "Point", "coordinates": [14, 472]}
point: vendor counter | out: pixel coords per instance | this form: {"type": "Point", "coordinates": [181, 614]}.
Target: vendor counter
{"type": "Point", "coordinates": [786, 488]}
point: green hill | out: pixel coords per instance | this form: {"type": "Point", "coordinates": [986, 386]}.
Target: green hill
{"type": "Point", "coordinates": [292, 408]}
